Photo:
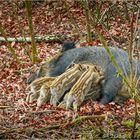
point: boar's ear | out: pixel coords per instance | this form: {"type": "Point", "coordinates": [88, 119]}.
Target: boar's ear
{"type": "Point", "coordinates": [67, 45]}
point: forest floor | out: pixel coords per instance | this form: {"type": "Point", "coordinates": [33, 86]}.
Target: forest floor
{"type": "Point", "coordinates": [19, 120]}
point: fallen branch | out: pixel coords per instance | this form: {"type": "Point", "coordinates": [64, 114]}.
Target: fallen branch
{"type": "Point", "coordinates": [47, 39]}
{"type": "Point", "coordinates": [80, 119]}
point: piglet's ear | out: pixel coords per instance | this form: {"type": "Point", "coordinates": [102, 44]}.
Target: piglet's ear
{"type": "Point", "coordinates": [31, 78]}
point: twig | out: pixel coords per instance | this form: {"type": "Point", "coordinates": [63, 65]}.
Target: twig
{"type": "Point", "coordinates": [10, 131]}
{"type": "Point", "coordinates": [43, 111]}
{"type": "Point", "coordinates": [132, 92]}
{"type": "Point", "coordinates": [83, 118]}
{"type": "Point", "coordinates": [80, 119]}
{"type": "Point", "coordinates": [3, 107]}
